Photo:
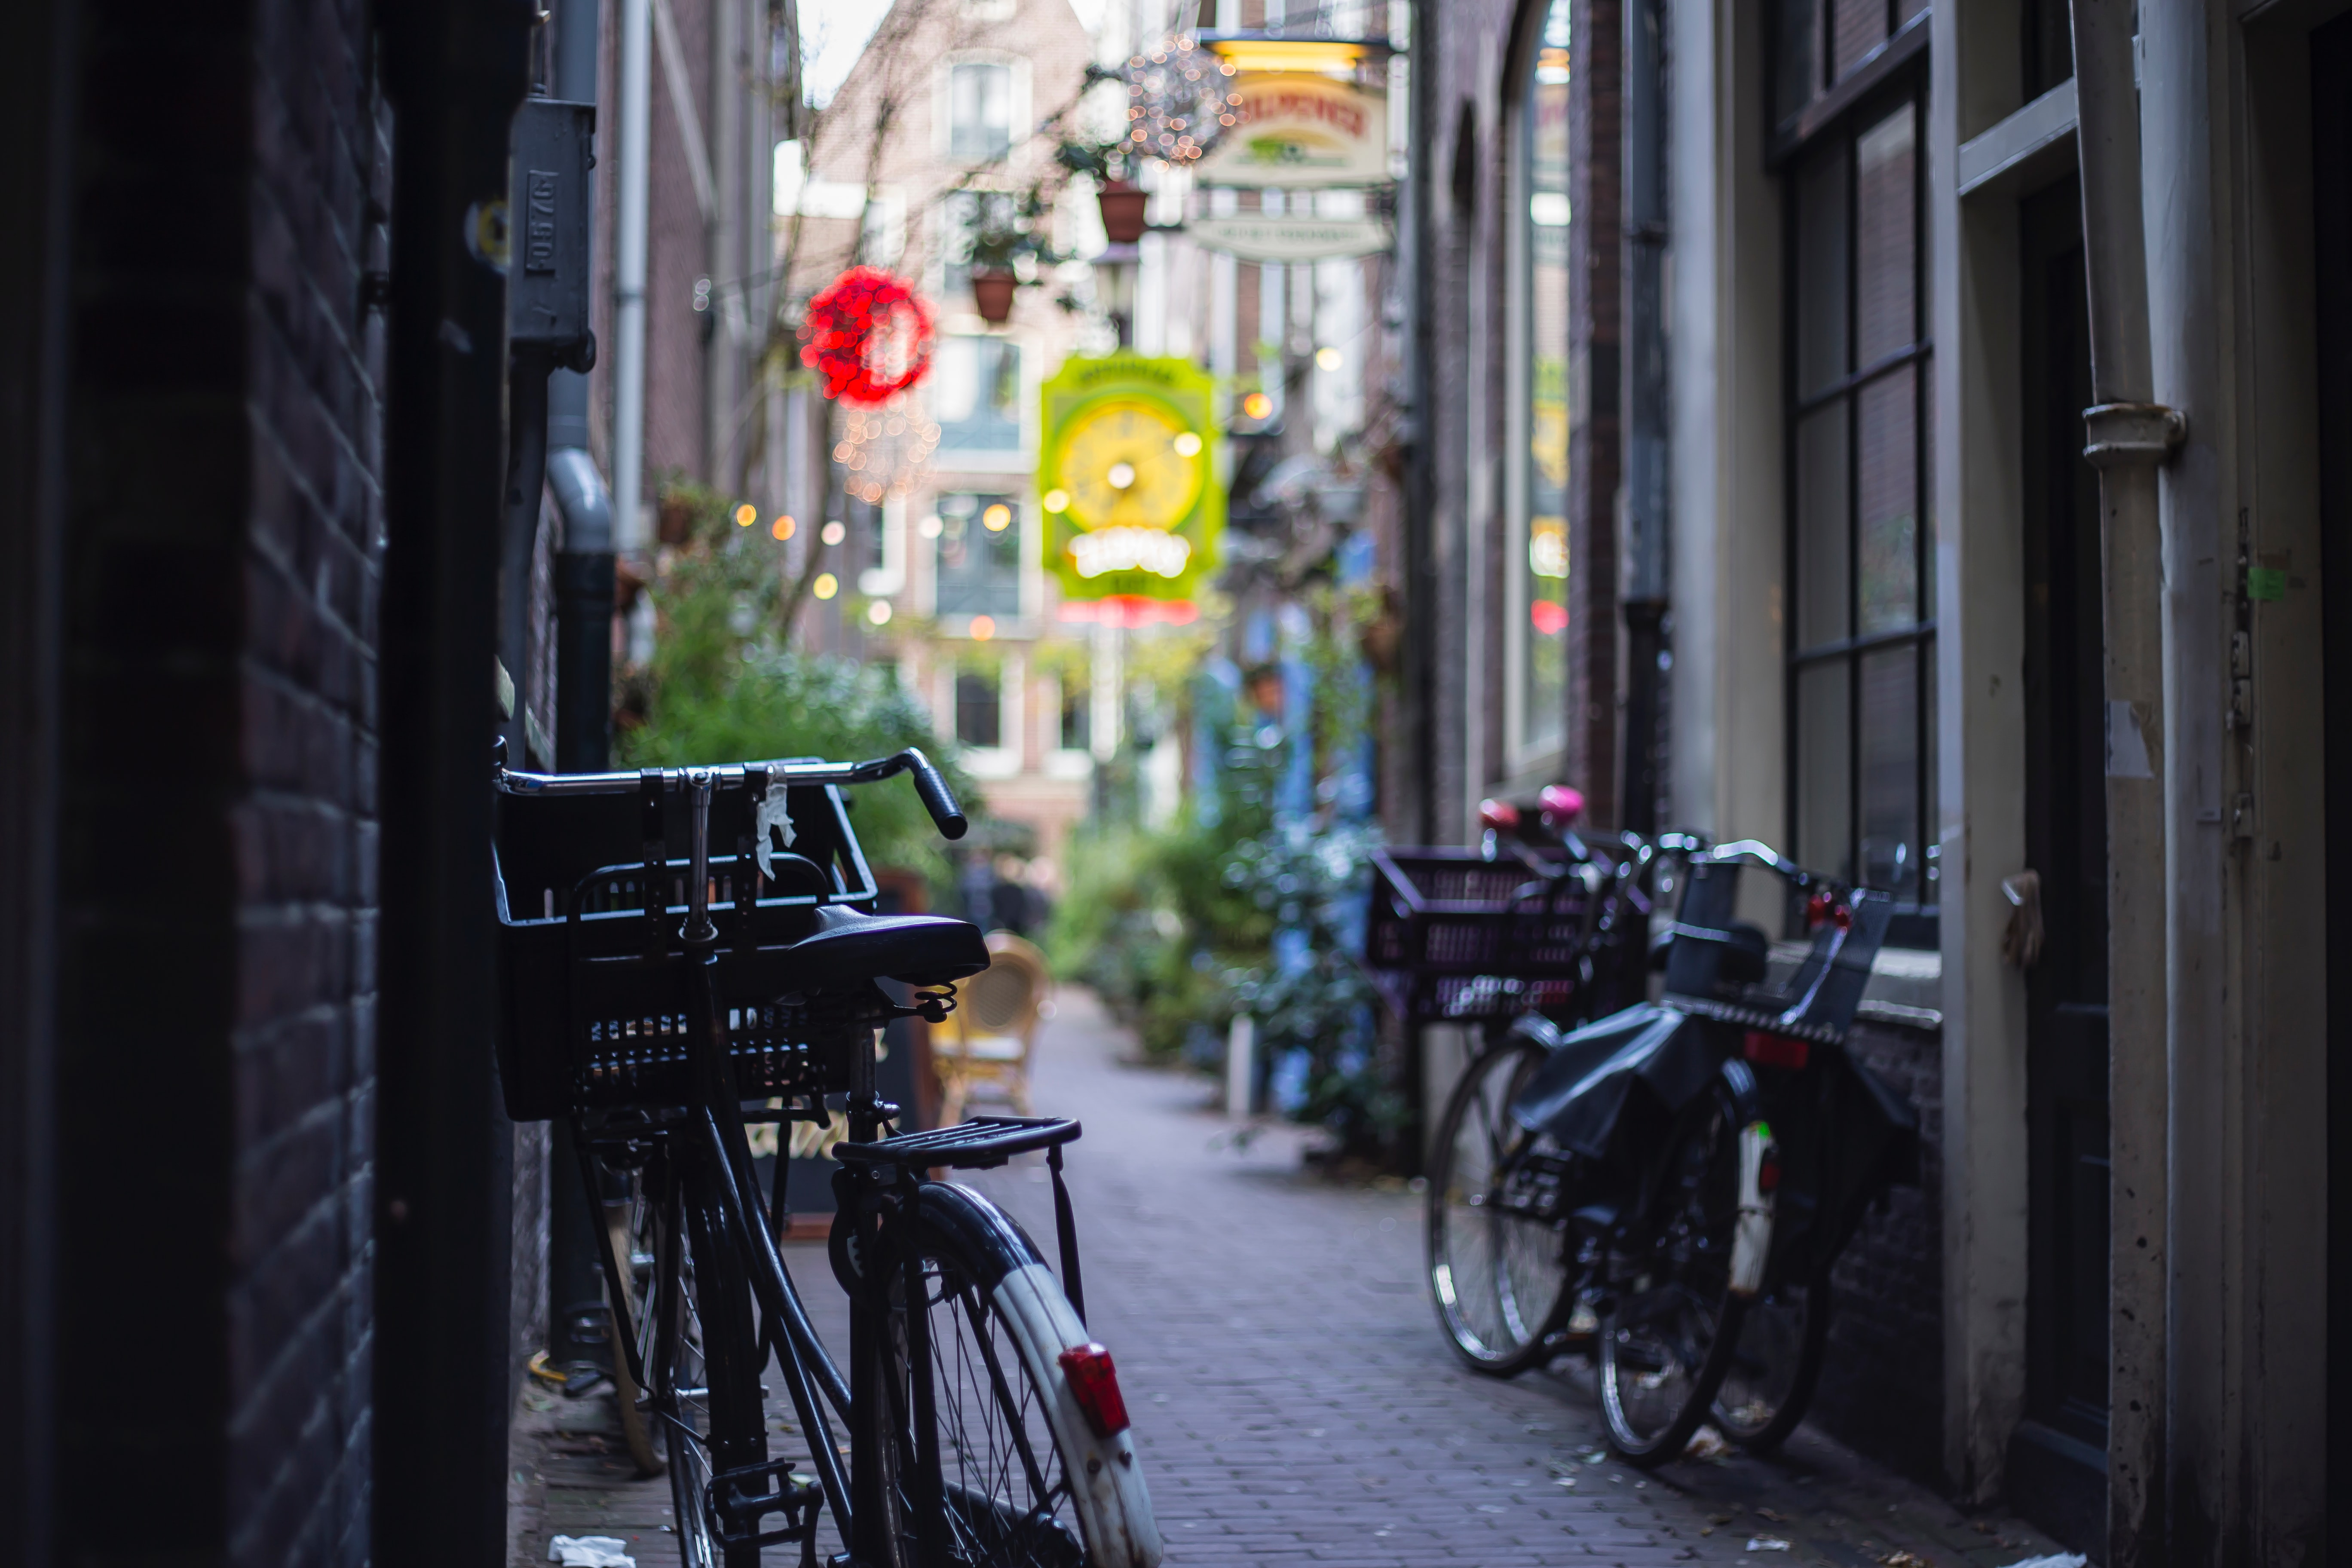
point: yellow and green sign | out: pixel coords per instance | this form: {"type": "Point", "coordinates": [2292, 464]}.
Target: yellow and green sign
{"type": "Point", "coordinates": [1133, 509]}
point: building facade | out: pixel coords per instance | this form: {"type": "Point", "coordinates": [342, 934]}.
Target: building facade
{"type": "Point", "coordinates": [1900, 624]}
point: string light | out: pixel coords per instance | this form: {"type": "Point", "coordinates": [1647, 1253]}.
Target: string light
{"type": "Point", "coordinates": [746, 515]}
{"type": "Point", "coordinates": [997, 517]}
{"type": "Point", "coordinates": [878, 612]}
{"type": "Point", "coordinates": [825, 586]}
{"type": "Point", "coordinates": [983, 628]}
{"type": "Point", "coordinates": [833, 532]}
{"type": "Point", "coordinates": [886, 450]}
{"type": "Point", "coordinates": [1179, 102]}
{"type": "Point", "coordinates": [782, 527]}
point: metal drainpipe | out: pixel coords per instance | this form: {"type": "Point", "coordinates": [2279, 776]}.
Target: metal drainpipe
{"type": "Point", "coordinates": [1646, 432]}
{"type": "Point", "coordinates": [584, 721]}
{"type": "Point", "coordinates": [1421, 494]}
{"type": "Point", "coordinates": [455, 72]}
{"type": "Point", "coordinates": [2128, 435]}
{"type": "Point", "coordinates": [2204, 1496]}
{"type": "Point", "coordinates": [629, 239]}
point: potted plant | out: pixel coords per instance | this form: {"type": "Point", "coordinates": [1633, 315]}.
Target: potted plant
{"type": "Point", "coordinates": [1123, 203]}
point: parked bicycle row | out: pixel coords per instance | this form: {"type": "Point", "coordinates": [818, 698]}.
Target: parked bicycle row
{"type": "Point", "coordinates": [1664, 1185]}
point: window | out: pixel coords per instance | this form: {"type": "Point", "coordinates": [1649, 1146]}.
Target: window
{"type": "Point", "coordinates": [979, 112]}
{"type": "Point", "coordinates": [1539, 558]}
{"type": "Point", "coordinates": [1861, 549]}
{"type": "Point", "coordinates": [979, 708]}
{"type": "Point", "coordinates": [979, 555]}
{"type": "Point", "coordinates": [976, 394]}
{"type": "Point", "coordinates": [962, 215]}
{"type": "Point", "coordinates": [1077, 714]}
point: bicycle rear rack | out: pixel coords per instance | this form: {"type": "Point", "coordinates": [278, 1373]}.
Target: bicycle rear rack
{"type": "Point", "coordinates": [980, 1144]}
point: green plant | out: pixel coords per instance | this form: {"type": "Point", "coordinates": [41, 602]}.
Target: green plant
{"type": "Point", "coordinates": [722, 685]}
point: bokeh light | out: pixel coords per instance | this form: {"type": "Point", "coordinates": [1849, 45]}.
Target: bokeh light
{"type": "Point", "coordinates": [825, 586]}
{"type": "Point", "coordinates": [878, 612]}
{"type": "Point", "coordinates": [1188, 445]}
{"type": "Point", "coordinates": [834, 533]}
{"type": "Point", "coordinates": [782, 527]}
{"type": "Point", "coordinates": [746, 515]}
{"type": "Point", "coordinates": [997, 517]}
{"type": "Point", "coordinates": [983, 628]}
{"type": "Point", "coordinates": [1257, 405]}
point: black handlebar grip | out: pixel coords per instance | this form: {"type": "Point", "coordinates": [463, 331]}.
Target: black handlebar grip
{"type": "Point", "coordinates": [938, 799]}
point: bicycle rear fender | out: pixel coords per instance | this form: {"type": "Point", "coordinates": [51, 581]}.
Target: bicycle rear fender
{"type": "Point", "coordinates": [1114, 1508]}
{"type": "Point", "coordinates": [1579, 1095]}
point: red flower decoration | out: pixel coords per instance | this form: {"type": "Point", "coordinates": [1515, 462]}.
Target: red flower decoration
{"type": "Point", "coordinates": [868, 333]}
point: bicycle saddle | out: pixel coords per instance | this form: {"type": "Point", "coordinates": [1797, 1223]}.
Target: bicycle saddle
{"type": "Point", "coordinates": [846, 948]}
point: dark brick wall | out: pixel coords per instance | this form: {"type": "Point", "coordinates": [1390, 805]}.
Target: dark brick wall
{"type": "Point", "coordinates": [1881, 1386]}
{"type": "Point", "coordinates": [215, 1037]}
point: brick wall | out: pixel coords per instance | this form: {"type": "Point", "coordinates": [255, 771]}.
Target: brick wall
{"type": "Point", "coordinates": [1881, 1386]}
{"type": "Point", "coordinates": [215, 1037]}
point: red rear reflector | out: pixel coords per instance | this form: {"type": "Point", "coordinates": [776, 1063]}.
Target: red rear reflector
{"type": "Point", "coordinates": [1776, 1050]}
{"type": "Point", "coordinates": [1095, 1383]}
{"type": "Point", "coordinates": [1500, 815]}
{"type": "Point", "coordinates": [1768, 1176]}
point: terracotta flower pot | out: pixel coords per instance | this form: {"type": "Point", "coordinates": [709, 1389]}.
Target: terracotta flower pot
{"type": "Point", "coordinates": [991, 295]}
{"type": "Point", "coordinates": [1123, 212]}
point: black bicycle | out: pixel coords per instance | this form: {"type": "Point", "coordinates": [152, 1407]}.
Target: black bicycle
{"type": "Point", "coordinates": [663, 1001]}
{"type": "Point", "coordinates": [1684, 1173]}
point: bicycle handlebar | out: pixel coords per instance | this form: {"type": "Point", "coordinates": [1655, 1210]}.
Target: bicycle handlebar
{"type": "Point", "coordinates": [937, 797]}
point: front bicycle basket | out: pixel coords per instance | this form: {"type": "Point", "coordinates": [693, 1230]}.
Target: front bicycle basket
{"type": "Point", "coordinates": [1721, 966]}
{"type": "Point", "coordinates": [593, 1010]}
{"type": "Point", "coordinates": [1452, 935]}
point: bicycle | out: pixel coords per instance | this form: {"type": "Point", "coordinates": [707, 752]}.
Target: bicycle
{"type": "Point", "coordinates": [1684, 1171]}
{"type": "Point", "coordinates": [661, 1003]}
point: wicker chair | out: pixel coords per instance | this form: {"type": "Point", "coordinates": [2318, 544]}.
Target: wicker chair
{"type": "Point", "coordinates": [989, 1037]}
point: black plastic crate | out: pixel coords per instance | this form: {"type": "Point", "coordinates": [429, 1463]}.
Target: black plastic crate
{"type": "Point", "coordinates": [1451, 935]}
{"type": "Point", "coordinates": [591, 894]}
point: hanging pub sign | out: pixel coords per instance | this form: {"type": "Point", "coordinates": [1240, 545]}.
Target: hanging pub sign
{"type": "Point", "coordinates": [1299, 130]}
{"type": "Point", "coordinates": [1133, 510]}
{"type": "Point", "coordinates": [1288, 237]}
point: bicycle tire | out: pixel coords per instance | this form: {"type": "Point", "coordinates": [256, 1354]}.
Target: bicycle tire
{"type": "Point", "coordinates": [628, 1234]}
{"type": "Point", "coordinates": [1776, 1361]}
{"type": "Point", "coordinates": [1500, 1283]}
{"type": "Point", "coordinates": [715, 1417]}
{"type": "Point", "coordinates": [1028, 1483]}
{"type": "Point", "coordinates": [1673, 1320]}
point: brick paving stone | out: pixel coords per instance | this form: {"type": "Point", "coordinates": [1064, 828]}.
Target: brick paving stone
{"type": "Point", "coordinates": [1294, 1401]}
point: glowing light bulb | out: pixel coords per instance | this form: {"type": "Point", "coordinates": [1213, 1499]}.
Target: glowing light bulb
{"type": "Point", "coordinates": [983, 628]}
{"type": "Point", "coordinates": [878, 612]}
{"type": "Point", "coordinates": [782, 527]}
{"type": "Point", "coordinates": [746, 515]}
{"type": "Point", "coordinates": [1057, 500]}
{"type": "Point", "coordinates": [997, 517]}
{"type": "Point", "coordinates": [825, 586]}
{"type": "Point", "coordinates": [1257, 405]}
{"type": "Point", "coordinates": [1121, 476]}
{"type": "Point", "coordinates": [1187, 445]}
{"type": "Point", "coordinates": [931, 527]}
{"type": "Point", "coordinates": [1327, 359]}
{"type": "Point", "coordinates": [834, 533]}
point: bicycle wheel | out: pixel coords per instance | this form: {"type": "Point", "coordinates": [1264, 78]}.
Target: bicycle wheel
{"type": "Point", "coordinates": [1497, 1267]}
{"type": "Point", "coordinates": [708, 1376]}
{"type": "Point", "coordinates": [629, 1234]}
{"type": "Point", "coordinates": [1025, 1484]}
{"type": "Point", "coordinates": [1775, 1364]}
{"type": "Point", "coordinates": [1667, 1336]}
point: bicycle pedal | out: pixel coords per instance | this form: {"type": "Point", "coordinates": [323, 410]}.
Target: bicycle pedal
{"type": "Point", "coordinates": [738, 1510]}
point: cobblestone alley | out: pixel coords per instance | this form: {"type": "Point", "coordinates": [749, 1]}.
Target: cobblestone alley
{"type": "Point", "coordinates": [1293, 1399]}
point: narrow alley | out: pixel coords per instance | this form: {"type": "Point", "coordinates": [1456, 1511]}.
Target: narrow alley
{"type": "Point", "coordinates": [1294, 1400]}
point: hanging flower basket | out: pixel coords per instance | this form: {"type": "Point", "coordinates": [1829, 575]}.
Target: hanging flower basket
{"type": "Point", "coordinates": [1124, 211]}
{"type": "Point", "coordinates": [870, 335]}
{"type": "Point", "coordinates": [991, 296]}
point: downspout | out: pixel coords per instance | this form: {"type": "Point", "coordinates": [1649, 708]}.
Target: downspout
{"type": "Point", "coordinates": [455, 72]}
{"type": "Point", "coordinates": [2128, 435]}
{"type": "Point", "coordinates": [2204, 1483]}
{"type": "Point", "coordinates": [1646, 521]}
{"type": "Point", "coordinates": [635, 153]}
{"type": "Point", "coordinates": [1420, 491]}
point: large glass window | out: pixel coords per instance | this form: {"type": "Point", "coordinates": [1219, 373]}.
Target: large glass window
{"type": "Point", "coordinates": [1539, 557]}
{"type": "Point", "coordinates": [979, 112]}
{"type": "Point", "coordinates": [1861, 632]}
{"type": "Point", "coordinates": [976, 394]}
{"type": "Point", "coordinates": [979, 555]}
{"type": "Point", "coordinates": [963, 214]}
{"type": "Point", "coordinates": [980, 708]}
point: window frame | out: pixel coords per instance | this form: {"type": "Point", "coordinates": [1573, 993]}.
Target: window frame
{"type": "Point", "coordinates": [1525, 748]}
{"type": "Point", "coordinates": [1017, 108]}
{"type": "Point", "coordinates": [1894, 83]}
